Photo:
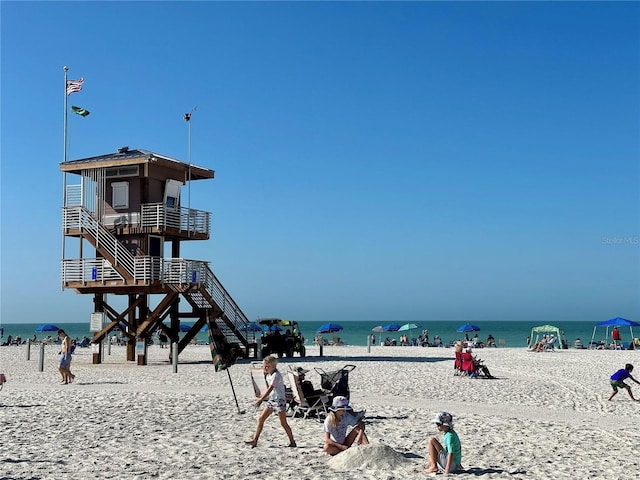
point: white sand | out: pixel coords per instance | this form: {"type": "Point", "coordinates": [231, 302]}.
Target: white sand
{"type": "Point", "coordinates": [547, 416]}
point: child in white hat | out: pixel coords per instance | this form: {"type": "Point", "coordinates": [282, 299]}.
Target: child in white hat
{"type": "Point", "coordinates": [445, 458]}
{"type": "Point", "coordinates": [340, 417]}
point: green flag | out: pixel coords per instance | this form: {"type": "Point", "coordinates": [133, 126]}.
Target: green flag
{"type": "Point", "coordinates": [79, 111]}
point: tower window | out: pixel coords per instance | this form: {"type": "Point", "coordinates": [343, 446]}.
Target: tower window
{"type": "Point", "coordinates": [124, 171]}
{"type": "Point", "coordinates": [120, 195]}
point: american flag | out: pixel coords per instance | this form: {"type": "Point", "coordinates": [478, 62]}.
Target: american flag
{"type": "Point", "coordinates": [74, 86]}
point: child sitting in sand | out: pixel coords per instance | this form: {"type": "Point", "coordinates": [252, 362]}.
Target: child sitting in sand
{"type": "Point", "coordinates": [446, 458]}
{"type": "Point", "coordinates": [276, 401]}
{"type": "Point", "coordinates": [340, 417]}
{"type": "Point", "coordinates": [618, 378]}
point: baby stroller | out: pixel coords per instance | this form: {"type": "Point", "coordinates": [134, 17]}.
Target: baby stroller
{"type": "Point", "coordinates": [335, 382]}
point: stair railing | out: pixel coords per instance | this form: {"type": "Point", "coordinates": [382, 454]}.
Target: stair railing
{"type": "Point", "coordinates": [80, 218]}
{"type": "Point", "coordinates": [228, 306]}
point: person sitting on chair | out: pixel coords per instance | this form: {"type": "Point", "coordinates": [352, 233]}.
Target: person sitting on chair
{"type": "Point", "coordinates": [550, 344]}
{"type": "Point", "coordinates": [308, 390]}
{"type": "Point", "coordinates": [457, 363]}
{"type": "Point", "coordinates": [473, 366]}
{"type": "Point", "coordinates": [480, 366]}
{"type": "Point", "coordinates": [539, 346]}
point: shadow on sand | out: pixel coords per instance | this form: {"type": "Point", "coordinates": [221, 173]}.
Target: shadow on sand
{"type": "Point", "coordinates": [485, 471]}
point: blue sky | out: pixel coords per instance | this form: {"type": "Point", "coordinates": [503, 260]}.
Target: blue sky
{"type": "Point", "coordinates": [374, 161]}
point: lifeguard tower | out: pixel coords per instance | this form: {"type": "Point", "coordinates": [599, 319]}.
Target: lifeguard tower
{"type": "Point", "coordinates": [123, 224]}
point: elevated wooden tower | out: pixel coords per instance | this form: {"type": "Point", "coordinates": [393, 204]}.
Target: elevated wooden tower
{"type": "Point", "coordinates": [122, 210]}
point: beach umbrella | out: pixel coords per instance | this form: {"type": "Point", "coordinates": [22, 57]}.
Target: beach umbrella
{"type": "Point", "coordinates": [251, 327]}
{"type": "Point", "coordinates": [408, 327]}
{"type": "Point", "coordinates": [392, 327]}
{"type": "Point", "coordinates": [47, 327]}
{"type": "Point", "coordinates": [378, 330]}
{"type": "Point", "coordinates": [468, 327]}
{"type": "Point", "coordinates": [272, 328]}
{"type": "Point", "coordinates": [185, 327]}
{"type": "Point", "coordinates": [329, 328]}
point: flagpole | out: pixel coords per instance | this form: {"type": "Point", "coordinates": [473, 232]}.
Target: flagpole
{"type": "Point", "coordinates": [189, 158]}
{"type": "Point", "coordinates": [64, 158]}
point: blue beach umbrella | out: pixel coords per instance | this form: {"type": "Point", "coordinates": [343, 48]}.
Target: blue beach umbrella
{"type": "Point", "coordinates": [47, 327]}
{"type": "Point", "coordinates": [184, 327]}
{"type": "Point", "coordinates": [251, 327]}
{"type": "Point", "coordinates": [392, 327]}
{"type": "Point", "coordinates": [468, 327]}
{"type": "Point", "coordinates": [329, 328]}
{"type": "Point", "coordinates": [272, 328]}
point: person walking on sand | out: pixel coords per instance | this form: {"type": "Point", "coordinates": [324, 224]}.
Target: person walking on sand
{"type": "Point", "coordinates": [276, 401]}
{"type": "Point", "coordinates": [618, 378]}
{"type": "Point", "coordinates": [341, 417]}
{"type": "Point", "coordinates": [446, 458]}
{"type": "Point", "coordinates": [65, 358]}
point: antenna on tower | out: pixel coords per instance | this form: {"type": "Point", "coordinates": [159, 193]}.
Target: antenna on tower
{"type": "Point", "coordinates": [187, 118]}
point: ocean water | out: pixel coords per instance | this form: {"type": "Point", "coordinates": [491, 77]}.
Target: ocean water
{"type": "Point", "coordinates": [514, 334]}
{"type": "Point", "coordinates": [74, 330]}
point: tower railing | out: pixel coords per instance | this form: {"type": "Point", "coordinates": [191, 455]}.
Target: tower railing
{"type": "Point", "coordinates": [183, 272]}
{"type": "Point", "coordinates": [153, 215]}
{"type": "Point", "coordinates": [84, 270]}
{"type": "Point", "coordinates": [79, 218]}
{"type": "Point", "coordinates": [189, 220]}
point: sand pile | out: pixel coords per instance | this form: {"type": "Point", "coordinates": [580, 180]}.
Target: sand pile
{"type": "Point", "coordinates": [366, 457]}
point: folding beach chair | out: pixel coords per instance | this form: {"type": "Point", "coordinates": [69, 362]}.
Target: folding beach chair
{"type": "Point", "coordinates": [259, 381]}
{"type": "Point", "coordinates": [550, 346]}
{"type": "Point", "coordinates": [258, 378]}
{"type": "Point", "coordinates": [468, 367]}
{"type": "Point", "coordinates": [335, 382]}
{"type": "Point", "coordinates": [303, 405]}
{"type": "Point", "coordinates": [457, 364]}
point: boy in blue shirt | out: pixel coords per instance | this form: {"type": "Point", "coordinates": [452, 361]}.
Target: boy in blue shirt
{"type": "Point", "coordinates": [618, 378]}
{"type": "Point", "coordinates": [446, 458]}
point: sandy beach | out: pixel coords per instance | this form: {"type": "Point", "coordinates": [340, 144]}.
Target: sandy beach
{"type": "Point", "coordinates": [546, 416]}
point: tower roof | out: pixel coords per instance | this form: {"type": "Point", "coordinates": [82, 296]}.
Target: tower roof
{"type": "Point", "coordinates": [126, 156]}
